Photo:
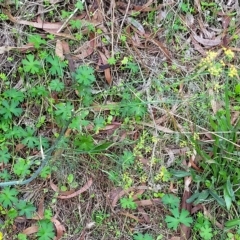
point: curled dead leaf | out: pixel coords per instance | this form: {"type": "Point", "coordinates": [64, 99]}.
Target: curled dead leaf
{"type": "Point", "coordinates": [208, 42]}
{"type": "Point", "coordinates": [107, 72]}
{"type": "Point", "coordinates": [83, 189]}
{"type": "Point", "coordinates": [123, 192]}
{"type": "Point", "coordinates": [60, 229]}
{"type": "Point", "coordinates": [59, 49]}
{"type": "Point", "coordinates": [148, 202]}
{"type": "Point", "coordinates": [30, 230]}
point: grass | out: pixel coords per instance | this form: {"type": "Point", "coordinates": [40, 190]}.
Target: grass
{"type": "Point", "coordinates": [134, 137]}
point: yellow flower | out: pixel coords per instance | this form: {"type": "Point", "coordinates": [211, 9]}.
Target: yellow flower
{"type": "Point", "coordinates": [215, 69]}
{"type": "Point", "coordinates": [232, 71]}
{"type": "Point", "coordinates": [222, 63]}
{"type": "Point", "coordinates": [1, 236]}
{"type": "Point", "coordinates": [229, 53]}
{"type": "Point", "coordinates": [211, 55]}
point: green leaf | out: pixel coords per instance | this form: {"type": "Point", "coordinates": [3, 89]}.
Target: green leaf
{"type": "Point", "coordinates": [128, 203]}
{"type": "Point", "coordinates": [237, 89]}
{"type": "Point", "coordinates": [4, 156]}
{"type": "Point", "coordinates": [173, 222]}
{"type": "Point", "coordinates": [171, 200]}
{"type": "Point", "coordinates": [36, 40]}
{"type": "Point", "coordinates": [232, 223]}
{"type": "Point", "coordinates": [84, 142]}
{"type": "Point", "coordinates": [57, 65]}
{"type": "Point", "coordinates": [220, 201]}
{"type": "Point", "coordinates": [14, 95]}
{"type": "Point", "coordinates": [8, 197]}
{"type": "Point", "coordinates": [100, 148]}
{"type": "Point", "coordinates": [7, 110]}
{"type": "Point", "coordinates": [84, 75]}
{"type": "Point", "coordinates": [12, 213]}
{"type": "Point", "coordinates": [25, 208]}
{"type": "Point", "coordinates": [56, 85]}
{"type": "Point", "coordinates": [127, 159]}
{"type": "Point", "coordinates": [202, 196]}
{"type": "Point", "coordinates": [31, 65]}
{"type": "Point", "coordinates": [99, 123]}
{"type": "Point", "coordinates": [140, 236]}
{"type": "Point", "coordinates": [21, 167]}
{"type": "Point", "coordinates": [5, 175]}
{"type": "Point", "coordinates": [229, 188]}
{"type": "Point", "coordinates": [76, 24]}
{"type": "Point", "coordinates": [45, 230]}
{"type": "Point", "coordinates": [180, 174]}
{"type": "Point", "coordinates": [79, 5]}
{"type": "Point", "coordinates": [64, 110]}
{"type": "Point", "coordinates": [16, 132]}
{"type": "Point", "coordinates": [22, 236]}
{"type": "Point", "coordinates": [227, 198]}
{"type": "Point", "coordinates": [111, 61]}
{"type": "Point", "coordinates": [206, 232]}
{"type": "Point", "coordinates": [29, 139]}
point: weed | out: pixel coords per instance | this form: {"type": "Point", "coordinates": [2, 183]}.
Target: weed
{"type": "Point", "coordinates": [140, 236]}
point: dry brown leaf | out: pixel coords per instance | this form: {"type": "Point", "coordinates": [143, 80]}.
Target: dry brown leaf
{"type": "Point", "coordinates": [130, 216]}
{"type": "Point", "coordinates": [44, 25]}
{"type": "Point", "coordinates": [85, 50]}
{"type": "Point", "coordinates": [64, 35]}
{"type": "Point", "coordinates": [206, 33]}
{"type": "Point", "coordinates": [198, 47]}
{"type": "Point", "coordinates": [56, 189]}
{"type": "Point", "coordinates": [226, 19]}
{"type": "Point", "coordinates": [184, 230]}
{"type": "Point", "coordinates": [59, 49]}
{"type": "Point", "coordinates": [171, 156]}
{"type": "Point", "coordinates": [30, 230]}
{"type": "Point", "coordinates": [235, 117]}
{"type": "Point", "coordinates": [212, 219]}
{"type": "Point", "coordinates": [157, 127]}
{"type": "Point", "coordinates": [215, 105]}
{"type": "Point", "coordinates": [146, 8]}
{"type": "Point", "coordinates": [5, 49]}
{"type": "Point", "coordinates": [163, 49]}
{"type": "Point", "coordinates": [138, 193]}
{"type": "Point", "coordinates": [41, 208]}
{"type": "Point", "coordinates": [66, 51]}
{"type": "Point", "coordinates": [144, 214]}
{"type": "Point", "coordinates": [136, 24]}
{"type": "Point", "coordinates": [83, 189]}
{"type": "Point", "coordinates": [208, 42]}
{"type": "Point", "coordinates": [111, 126]}
{"type": "Point", "coordinates": [148, 202]}
{"type": "Point", "coordinates": [193, 165]}
{"type": "Point", "coordinates": [55, 1]}
{"type": "Point", "coordinates": [196, 208]}
{"type": "Point", "coordinates": [123, 192]}
{"type": "Point", "coordinates": [19, 147]}
{"type": "Point", "coordinates": [60, 229]}
{"type": "Point", "coordinates": [107, 72]}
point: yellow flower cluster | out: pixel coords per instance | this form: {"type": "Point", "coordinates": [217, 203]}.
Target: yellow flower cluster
{"type": "Point", "coordinates": [229, 53]}
{"type": "Point", "coordinates": [127, 180]}
{"type": "Point", "coordinates": [215, 69]}
{"type": "Point", "coordinates": [210, 57]}
{"type": "Point", "coordinates": [163, 175]}
{"type": "Point", "coordinates": [232, 71]}
{"type": "Point", "coordinates": [143, 178]}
